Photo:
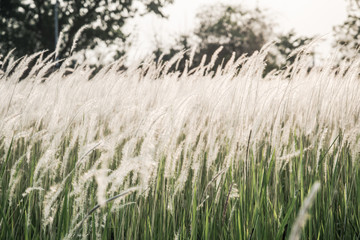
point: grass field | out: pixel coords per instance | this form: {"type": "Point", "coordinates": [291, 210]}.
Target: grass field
{"type": "Point", "coordinates": [151, 154]}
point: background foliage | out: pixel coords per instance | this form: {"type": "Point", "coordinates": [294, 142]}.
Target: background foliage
{"type": "Point", "coordinates": [29, 27]}
{"type": "Point", "coordinates": [239, 31]}
{"type": "Point", "coordinates": [347, 35]}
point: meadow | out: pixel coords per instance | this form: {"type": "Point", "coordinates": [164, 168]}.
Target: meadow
{"type": "Point", "coordinates": [148, 153]}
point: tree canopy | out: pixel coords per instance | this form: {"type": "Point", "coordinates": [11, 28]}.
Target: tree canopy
{"type": "Point", "coordinates": [239, 31]}
{"type": "Point", "coordinates": [347, 35]}
{"type": "Point", "coordinates": [28, 26]}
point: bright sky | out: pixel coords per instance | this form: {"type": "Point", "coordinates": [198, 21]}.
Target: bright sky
{"type": "Point", "coordinates": [306, 17]}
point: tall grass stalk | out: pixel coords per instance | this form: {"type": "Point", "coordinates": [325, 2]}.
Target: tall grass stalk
{"type": "Point", "coordinates": [230, 155]}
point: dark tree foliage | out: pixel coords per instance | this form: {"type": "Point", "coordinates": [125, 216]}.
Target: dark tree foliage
{"type": "Point", "coordinates": [347, 35]}
{"type": "Point", "coordinates": [281, 56]}
{"type": "Point", "coordinates": [28, 26]}
{"type": "Point", "coordinates": [239, 31]}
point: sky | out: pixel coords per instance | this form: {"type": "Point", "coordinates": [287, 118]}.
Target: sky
{"type": "Point", "coordinates": [305, 17]}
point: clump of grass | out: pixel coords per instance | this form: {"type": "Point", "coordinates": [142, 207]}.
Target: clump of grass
{"type": "Point", "coordinates": [229, 155]}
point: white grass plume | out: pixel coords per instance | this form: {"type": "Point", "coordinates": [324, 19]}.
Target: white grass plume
{"type": "Point", "coordinates": [215, 56]}
{"type": "Point", "coordinates": [7, 57]}
{"type": "Point", "coordinates": [302, 217]}
{"type": "Point", "coordinates": [77, 36]}
{"type": "Point", "coordinates": [167, 113]}
{"type": "Point", "coordinates": [58, 44]}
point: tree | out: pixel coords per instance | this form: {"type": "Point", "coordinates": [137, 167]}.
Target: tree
{"type": "Point", "coordinates": [29, 25]}
{"type": "Point", "coordinates": [347, 35]}
{"type": "Point", "coordinates": [236, 29]}
{"type": "Point", "coordinates": [239, 31]}
{"type": "Point", "coordinates": [281, 56]}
